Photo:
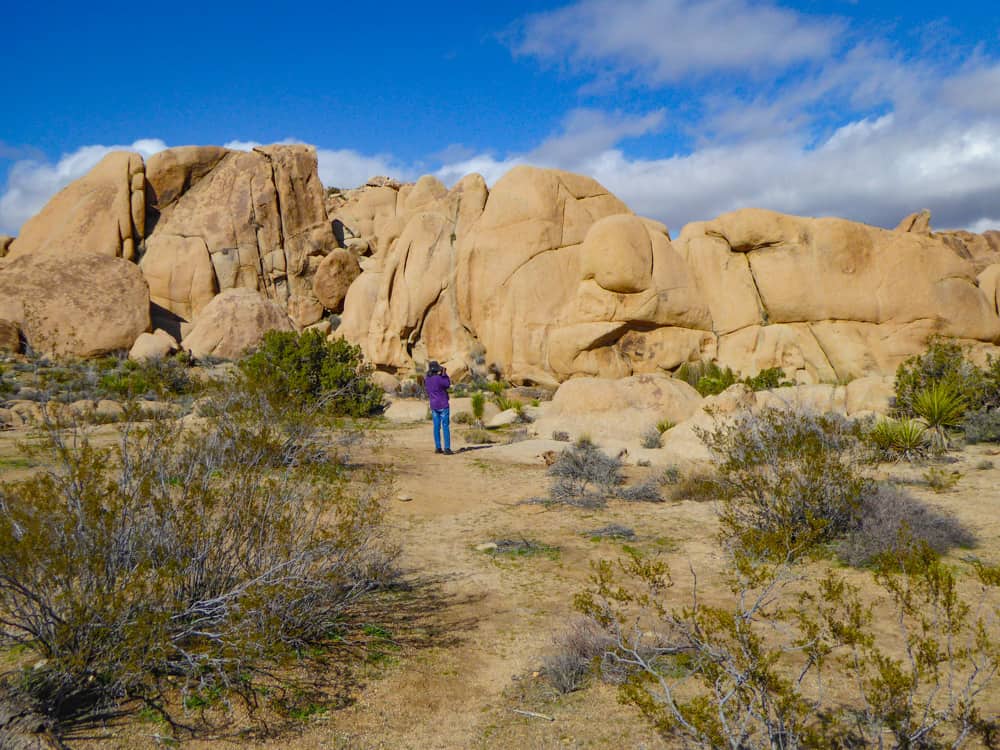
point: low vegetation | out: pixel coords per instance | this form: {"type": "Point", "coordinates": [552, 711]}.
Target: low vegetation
{"type": "Point", "coordinates": [710, 380]}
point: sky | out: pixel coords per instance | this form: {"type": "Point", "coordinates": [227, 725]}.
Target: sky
{"type": "Point", "coordinates": [683, 108]}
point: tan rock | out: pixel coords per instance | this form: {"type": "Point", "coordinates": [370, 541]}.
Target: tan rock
{"type": "Point", "coordinates": [407, 410]}
{"type": "Point", "coordinates": [156, 345]}
{"type": "Point", "coordinates": [334, 276]}
{"type": "Point", "coordinates": [304, 310]}
{"type": "Point", "coordinates": [109, 410]}
{"type": "Point", "coordinates": [918, 223]}
{"type": "Point", "coordinates": [10, 336]}
{"type": "Point", "coordinates": [870, 395]}
{"type": "Point", "coordinates": [75, 305]}
{"type": "Point", "coordinates": [247, 207]}
{"type": "Point", "coordinates": [386, 381]}
{"type": "Point", "coordinates": [989, 285]}
{"type": "Point", "coordinates": [503, 419]}
{"type": "Point", "coordinates": [94, 214]}
{"type": "Point", "coordinates": [617, 409]}
{"type": "Point", "coordinates": [180, 274]}
{"type": "Point", "coordinates": [233, 323]}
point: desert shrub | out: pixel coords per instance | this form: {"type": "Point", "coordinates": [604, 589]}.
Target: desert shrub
{"type": "Point", "coordinates": [787, 479]}
{"type": "Point", "coordinates": [940, 480]}
{"type": "Point", "coordinates": [463, 417]}
{"type": "Point", "coordinates": [982, 426]}
{"type": "Point", "coordinates": [892, 521]}
{"type": "Point", "coordinates": [663, 425]}
{"type": "Point", "coordinates": [895, 439]}
{"type": "Point", "coordinates": [671, 475]}
{"type": "Point", "coordinates": [715, 380]}
{"type": "Point", "coordinates": [769, 379]}
{"type": "Point", "coordinates": [561, 436]}
{"type": "Point", "coordinates": [479, 437]}
{"type": "Point", "coordinates": [576, 650]}
{"type": "Point", "coordinates": [163, 378]}
{"type": "Point", "coordinates": [644, 492]}
{"type": "Point", "coordinates": [944, 362]}
{"type": "Point", "coordinates": [698, 486]}
{"type": "Point", "coordinates": [412, 388]}
{"type": "Point", "coordinates": [306, 369]}
{"type": "Point", "coordinates": [584, 475]}
{"type": "Point", "coordinates": [200, 557]}
{"type": "Point", "coordinates": [753, 669]}
{"type": "Point", "coordinates": [651, 438]}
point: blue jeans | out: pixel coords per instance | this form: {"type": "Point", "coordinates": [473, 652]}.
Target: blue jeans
{"type": "Point", "coordinates": [441, 417]}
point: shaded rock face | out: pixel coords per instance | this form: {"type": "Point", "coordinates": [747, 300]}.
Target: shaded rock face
{"type": "Point", "coordinates": [79, 305]}
{"type": "Point", "coordinates": [230, 219]}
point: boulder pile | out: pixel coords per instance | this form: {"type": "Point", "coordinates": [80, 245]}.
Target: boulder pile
{"type": "Point", "coordinates": [542, 278]}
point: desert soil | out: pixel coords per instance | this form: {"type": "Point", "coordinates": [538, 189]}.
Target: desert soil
{"type": "Point", "coordinates": [502, 611]}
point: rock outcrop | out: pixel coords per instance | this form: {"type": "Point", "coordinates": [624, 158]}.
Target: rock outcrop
{"type": "Point", "coordinates": [103, 212]}
{"type": "Point", "coordinates": [78, 305]}
{"type": "Point", "coordinates": [544, 278]}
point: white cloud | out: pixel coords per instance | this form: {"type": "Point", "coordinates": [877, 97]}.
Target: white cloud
{"type": "Point", "coordinates": [31, 182]}
{"type": "Point", "coordinates": [661, 41]}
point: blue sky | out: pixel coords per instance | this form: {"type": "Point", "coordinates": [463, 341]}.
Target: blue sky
{"type": "Point", "coordinates": [685, 109]}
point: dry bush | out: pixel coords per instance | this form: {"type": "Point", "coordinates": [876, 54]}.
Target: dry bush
{"type": "Point", "coordinates": [577, 650]}
{"type": "Point", "coordinates": [651, 438]}
{"type": "Point", "coordinates": [697, 486]}
{"type": "Point", "coordinates": [202, 557]}
{"type": "Point", "coordinates": [644, 492]}
{"type": "Point", "coordinates": [891, 521]}
{"type": "Point", "coordinates": [584, 476]}
{"type": "Point", "coordinates": [611, 531]}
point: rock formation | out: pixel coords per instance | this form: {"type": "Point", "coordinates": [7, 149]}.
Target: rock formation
{"type": "Point", "coordinates": [543, 278]}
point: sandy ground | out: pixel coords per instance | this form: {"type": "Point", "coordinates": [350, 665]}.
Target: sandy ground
{"type": "Point", "coordinates": [503, 611]}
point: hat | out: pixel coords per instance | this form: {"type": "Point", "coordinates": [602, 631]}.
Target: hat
{"type": "Point", "coordinates": [433, 367]}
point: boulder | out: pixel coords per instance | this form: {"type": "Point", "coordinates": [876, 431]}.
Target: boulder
{"type": "Point", "coordinates": [305, 310]}
{"type": "Point", "coordinates": [103, 212]}
{"type": "Point", "coordinates": [234, 322]}
{"type": "Point", "coordinates": [180, 274]}
{"type": "Point", "coordinates": [618, 409]}
{"type": "Point", "coordinates": [386, 381]}
{"type": "Point", "coordinates": [918, 223]}
{"type": "Point", "coordinates": [80, 305]}
{"type": "Point", "coordinates": [156, 345]}
{"type": "Point", "coordinates": [503, 419]}
{"type": "Point", "coordinates": [334, 276]}
{"type": "Point", "coordinates": [407, 410]}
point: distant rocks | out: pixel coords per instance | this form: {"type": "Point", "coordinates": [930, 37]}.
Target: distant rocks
{"type": "Point", "coordinates": [234, 322]}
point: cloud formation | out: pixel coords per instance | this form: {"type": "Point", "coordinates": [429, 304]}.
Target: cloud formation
{"type": "Point", "coordinates": [661, 41]}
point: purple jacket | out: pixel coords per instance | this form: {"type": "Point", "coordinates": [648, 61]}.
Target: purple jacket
{"type": "Point", "coordinates": [437, 390]}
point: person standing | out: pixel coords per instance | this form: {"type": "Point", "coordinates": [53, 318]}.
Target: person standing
{"type": "Point", "coordinates": [437, 384]}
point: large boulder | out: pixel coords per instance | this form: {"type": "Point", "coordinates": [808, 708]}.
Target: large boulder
{"type": "Point", "coordinates": [334, 276]}
{"type": "Point", "coordinates": [10, 336]}
{"type": "Point", "coordinates": [617, 409]}
{"type": "Point", "coordinates": [79, 305]}
{"type": "Point", "coordinates": [103, 212]}
{"type": "Point", "coordinates": [234, 322]}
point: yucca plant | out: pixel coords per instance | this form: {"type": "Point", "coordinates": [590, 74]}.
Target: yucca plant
{"type": "Point", "coordinates": [899, 438]}
{"type": "Point", "coordinates": [478, 406]}
{"type": "Point", "coordinates": [941, 407]}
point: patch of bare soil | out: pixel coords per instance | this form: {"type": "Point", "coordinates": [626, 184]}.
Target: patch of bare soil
{"type": "Point", "coordinates": [480, 687]}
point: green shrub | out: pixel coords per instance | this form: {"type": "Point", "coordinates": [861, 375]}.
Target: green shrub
{"type": "Point", "coordinates": [478, 405]}
{"type": "Point", "coordinates": [944, 362]}
{"type": "Point", "coordinates": [940, 480]}
{"type": "Point", "coordinates": [715, 381]}
{"type": "Point", "coordinates": [663, 425]}
{"type": "Point", "coordinates": [205, 556]}
{"type": "Point", "coordinates": [787, 479]}
{"type": "Point", "coordinates": [307, 370]}
{"type": "Point", "coordinates": [769, 379]}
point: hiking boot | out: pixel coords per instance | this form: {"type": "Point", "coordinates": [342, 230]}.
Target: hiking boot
{"type": "Point", "coordinates": [438, 450]}
{"type": "Point", "coordinates": [449, 452]}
